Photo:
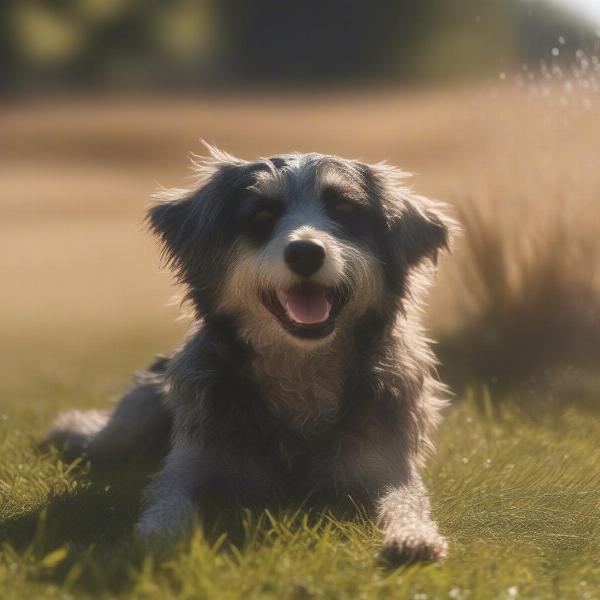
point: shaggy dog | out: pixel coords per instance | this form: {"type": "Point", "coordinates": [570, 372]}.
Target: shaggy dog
{"type": "Point", "coordinates": [306, 375]}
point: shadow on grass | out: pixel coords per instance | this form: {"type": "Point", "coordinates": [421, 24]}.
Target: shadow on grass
{"type": "Point", "coordinates": [550, 389]}
{"type": "Point", "coordinates": [83, 538]}
{"type": "Point", "coordinates": [85, 534]}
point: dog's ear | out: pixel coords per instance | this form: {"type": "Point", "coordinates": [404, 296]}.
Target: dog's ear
{"type": "Point", "coordinates": [416, 228]}
{"type": "Point", "coordinates": [183, 219]}
{"type": "Point", "coordinates": [175, 221]}
{"type": "Point", "coordinates": [419, 231]}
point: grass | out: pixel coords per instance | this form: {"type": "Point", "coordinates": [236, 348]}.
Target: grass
{"type": "Point", "coordinates": [517, 492]}
{"type": "Point", "coordinates": [515, 483]}
{"type": "Point", "coordinates": [533, 301]}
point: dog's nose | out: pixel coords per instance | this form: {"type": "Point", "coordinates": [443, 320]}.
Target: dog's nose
{"type": "Point", "coordinates": [304, 257]}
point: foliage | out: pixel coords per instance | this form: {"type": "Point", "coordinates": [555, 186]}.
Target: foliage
{"type": "Point", "coordinates": [185, 43]}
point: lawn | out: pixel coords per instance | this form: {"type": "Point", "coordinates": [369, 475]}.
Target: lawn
{"type": "Point", "coordinates": [515, 483]}
{"type": "Point", "coordinates": [517, 493]}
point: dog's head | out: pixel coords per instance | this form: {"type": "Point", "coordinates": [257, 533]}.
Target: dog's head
{"type": "Point", "coordinates": [297, 246]}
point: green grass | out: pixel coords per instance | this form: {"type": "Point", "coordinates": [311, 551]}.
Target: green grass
{"type": "Point", "coordinates": [516, 491]}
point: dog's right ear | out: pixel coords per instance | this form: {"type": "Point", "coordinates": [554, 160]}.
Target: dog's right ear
{"type": "Point", "coordinates": [175, 222]}
{"type": "Point", "coordinates": [183, 219]}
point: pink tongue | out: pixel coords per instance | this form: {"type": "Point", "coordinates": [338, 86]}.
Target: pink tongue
{"type": "Point", "coordinates": [306, 304]}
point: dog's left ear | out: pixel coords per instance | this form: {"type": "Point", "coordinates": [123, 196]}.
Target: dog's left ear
{"type": "Point", "coordinates": [419, 231]}
{"type": "Point", "coordinates": [416, 228]}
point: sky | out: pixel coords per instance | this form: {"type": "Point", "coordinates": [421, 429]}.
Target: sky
{"type": "Point", "coordinates": [587, 8]}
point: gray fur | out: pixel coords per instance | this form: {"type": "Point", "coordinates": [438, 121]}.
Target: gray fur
{"type": "Point", "coordinates": [261, 408]}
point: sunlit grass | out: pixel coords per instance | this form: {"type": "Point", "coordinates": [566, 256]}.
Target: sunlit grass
{"type": "Point", "coordinates": [517, 492]}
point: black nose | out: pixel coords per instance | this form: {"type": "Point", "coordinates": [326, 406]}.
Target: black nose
{"type": "Point", "coordinates": [304, 257]}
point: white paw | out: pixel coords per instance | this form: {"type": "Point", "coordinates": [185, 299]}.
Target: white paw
{"type": "Point", "coordinates": [73, 431]}
{"type": "Point", "coordinates": [414, 544]}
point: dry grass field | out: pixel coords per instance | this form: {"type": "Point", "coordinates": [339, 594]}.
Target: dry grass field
{"type": "Point", "coordinates": [517, 304]}
{"type": "Point", "coordinates": [77, 175]}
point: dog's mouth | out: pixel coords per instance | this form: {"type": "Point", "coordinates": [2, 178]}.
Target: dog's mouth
{"type": "Point", "coordinates": [306, 310]}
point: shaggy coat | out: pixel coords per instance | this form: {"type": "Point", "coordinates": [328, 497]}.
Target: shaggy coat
{"type": "Point", "coordinates": [306, 376]}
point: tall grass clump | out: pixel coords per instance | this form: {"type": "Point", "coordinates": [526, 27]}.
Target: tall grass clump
{"type": "Point", "coordinates": [531, 294]}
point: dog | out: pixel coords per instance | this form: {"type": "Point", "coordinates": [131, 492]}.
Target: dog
{"type": "Point", "coordinates": [306, 375]}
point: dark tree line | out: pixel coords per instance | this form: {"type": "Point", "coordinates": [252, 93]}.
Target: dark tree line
{"type": "Point", "coordinates": [194, 42]}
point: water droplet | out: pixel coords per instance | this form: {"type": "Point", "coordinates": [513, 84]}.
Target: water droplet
{"type": "Point", "coordinates": [561, 40]}
{"type": "Point", "coordinates": [502, 75]}
{"type": "Point", "coordinates": [555, 51]}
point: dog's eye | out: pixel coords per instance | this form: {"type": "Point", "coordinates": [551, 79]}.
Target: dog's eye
{"type": "Point", "coordinates": [352, 217]}
{"type": "Point", "coordinates": [260, 223]}
{"type": "Point", "coordinates": [263, 217]}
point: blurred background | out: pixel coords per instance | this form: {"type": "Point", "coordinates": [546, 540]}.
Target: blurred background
{"type": "Point", "coordinates": [494, 106]}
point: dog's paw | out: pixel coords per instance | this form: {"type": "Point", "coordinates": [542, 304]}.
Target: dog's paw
{"type": "Point", "coordinates": [158, 536]}
{"type": "Point", "coordinates": [169, 520]}
{"type": "Point", "coordinates": [150, 528]}
{"type": "Point", "coordinates": [417, 544]}
{"type": "Point", "coordinates": [73, 431]}
{"type": "Point", "coordinates": [147, 531]}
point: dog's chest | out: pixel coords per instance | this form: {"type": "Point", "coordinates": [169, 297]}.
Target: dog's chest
{"type": "Point", "coordinates": [305, 392]}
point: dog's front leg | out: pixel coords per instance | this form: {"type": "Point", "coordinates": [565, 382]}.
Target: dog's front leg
{"type": "Point", "coordinates": [409, 533]}
{"type": "Point", "coordinates": [170, 501]}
